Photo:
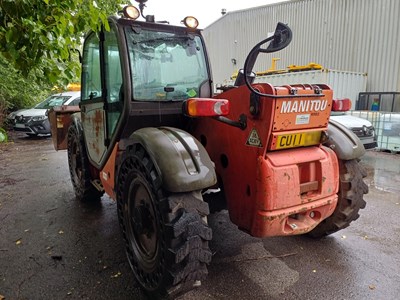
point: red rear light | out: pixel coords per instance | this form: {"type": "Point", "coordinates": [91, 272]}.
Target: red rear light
{"type": "Point", "coordinates": [206, 107]}
{"type": "Point", "coordinates": [341, 104]}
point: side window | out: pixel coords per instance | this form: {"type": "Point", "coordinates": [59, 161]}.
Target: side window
{"type": "Point", "coordinates": [91, 76]}
{"type": "Point", "coordinates": [75, 102]}
{"type": "Point", "coordinates": [113, 67]}
{"type": "Point", "coordinates": [113, 73]}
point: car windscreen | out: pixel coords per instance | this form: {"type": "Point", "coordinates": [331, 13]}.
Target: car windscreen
{"type": "Point", "coordinates": [166, 66]}
{"type": "Point", "coordinates": [52, 101]}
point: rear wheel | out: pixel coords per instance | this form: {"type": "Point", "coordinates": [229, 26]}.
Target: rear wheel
{"type": "Point", "coordinates": [166, 235]}
{"type": "Point", "coordinates": [350, 199]}
{"type": "Point", "coordinates": [78, 162]}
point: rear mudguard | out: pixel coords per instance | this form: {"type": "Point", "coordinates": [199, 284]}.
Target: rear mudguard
{"type": "Point", "coordinates": [181, 160]}
{"type": "Point", "coordinates": [344, 142]}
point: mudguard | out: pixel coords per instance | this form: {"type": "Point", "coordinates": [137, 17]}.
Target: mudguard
{"type": "Point", "coordinates": [182, 161]}
{"type": "Point", "coordinates": [344, 142]}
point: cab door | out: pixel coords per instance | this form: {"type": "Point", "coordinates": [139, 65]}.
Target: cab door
{"type": "Point", "coordinates": [101, 103]}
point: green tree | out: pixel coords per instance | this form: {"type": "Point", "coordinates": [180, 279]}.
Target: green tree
{"type": "Point", "coordinates": [37, 39]}
{"type": "Point", "coordinates": [40, 34]}
{"type": "Point", "coordinates": [18, 91]}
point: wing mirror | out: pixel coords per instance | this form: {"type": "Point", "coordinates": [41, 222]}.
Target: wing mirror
{"type": "Point", "coordinates": [278, 41]}
{"type": "Point", "coordinates": [282, 38]}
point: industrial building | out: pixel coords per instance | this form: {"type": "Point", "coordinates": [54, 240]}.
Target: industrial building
{"type": "Point", "coordinates": [347, 35]}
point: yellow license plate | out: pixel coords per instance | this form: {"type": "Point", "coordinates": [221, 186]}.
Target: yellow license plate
{"type": "Point", "coordinates": [285, 141]}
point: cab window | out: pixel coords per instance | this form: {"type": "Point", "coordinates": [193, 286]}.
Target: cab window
{"type": "Point", "coordinates": [91, 76]}
{"type": "Point", "coordinates": [113, 74]}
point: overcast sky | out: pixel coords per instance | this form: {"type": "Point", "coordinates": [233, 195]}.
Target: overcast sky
{"type": "Point", "coordinates": [206, 11]}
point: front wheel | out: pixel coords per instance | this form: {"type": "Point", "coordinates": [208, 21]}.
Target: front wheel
{"type": "Point", "coordinates": [78, 162]}
{"type": "Point", "coordinates": [350, 199]}
{"type": "Point", "coordinates": [166, 235]}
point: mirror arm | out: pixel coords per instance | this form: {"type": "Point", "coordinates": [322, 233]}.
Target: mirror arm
{"type": "Point", "coordinates": [252, 57]}
{"type": "Point", "coordinates": [250, 62]}
{"type": "Point", "coordinates": [242, 123]}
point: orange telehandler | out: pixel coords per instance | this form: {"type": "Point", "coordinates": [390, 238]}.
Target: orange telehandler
{"type": "Point", "coordinates": [151, 135]}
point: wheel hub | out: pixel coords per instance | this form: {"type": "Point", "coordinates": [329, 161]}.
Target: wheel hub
{"type": "Point", "coordinates": [143, 223]}
{"type": "Point", "coordinates": [143, 220]}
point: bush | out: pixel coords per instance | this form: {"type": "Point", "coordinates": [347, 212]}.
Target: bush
{"type": "Point", "coordinates": [3, 136]}
{"type": "Point", "coordinates": [18, 91]}
{"type": "Point", "coordinates": [3, 116]}
{"type": "Point", "coordinates": [3, 112]}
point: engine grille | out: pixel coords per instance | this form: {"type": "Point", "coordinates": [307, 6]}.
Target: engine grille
{"type": "Point", "coordinates": [22, 119]}
{"type": "Point", "coordinates": [364, 131]}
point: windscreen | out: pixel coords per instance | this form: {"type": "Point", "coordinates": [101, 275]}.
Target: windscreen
{"type": "Point", "coordinates": [52, 101]}
{"type": "Point", "coordinates": [166, 66]}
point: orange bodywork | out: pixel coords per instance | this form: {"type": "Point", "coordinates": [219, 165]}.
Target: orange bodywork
{"type": "Point", "coordinates": [276, 176]}
{"type": "Point", "coordinates": [107, 174]}
{"type": "Point", "coordinates": [301, 113]}
{"type": "Point", "coordinates": [296, 189]}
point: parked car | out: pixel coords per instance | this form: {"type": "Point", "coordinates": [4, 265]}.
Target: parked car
{"type": "Point", "coordinates": [361, 127]}
{"type": "Point", "coordinates": [34, 121]}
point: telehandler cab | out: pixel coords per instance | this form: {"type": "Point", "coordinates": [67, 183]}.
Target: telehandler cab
{"type": "Point", "coordinates": [151, 135]}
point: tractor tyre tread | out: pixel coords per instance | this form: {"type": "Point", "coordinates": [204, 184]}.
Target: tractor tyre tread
{"type": "Point", "coordinates": [83, 187]}
{"type": "Point", "coordinates": [350, 199]}
{"type": "Point", "coordinates": [184, 231]}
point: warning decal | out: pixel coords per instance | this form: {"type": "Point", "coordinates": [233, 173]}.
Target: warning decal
{"type": "Point", "coordinates": [254, 139]}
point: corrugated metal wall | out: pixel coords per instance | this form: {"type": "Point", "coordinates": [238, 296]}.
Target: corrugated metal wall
{"type": "Point", "coordinates": [349, 35]}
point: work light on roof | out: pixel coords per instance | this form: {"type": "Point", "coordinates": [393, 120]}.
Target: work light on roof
{"type": "Point", "coordinates": [190, 22]}
{"type": "Point", "coordinates": [131, 12]}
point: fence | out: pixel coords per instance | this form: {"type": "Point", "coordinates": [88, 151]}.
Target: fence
{"type": "Point", "coordinates": [382, 109]}
{"type": "Point", "coordinates": [386, 101]}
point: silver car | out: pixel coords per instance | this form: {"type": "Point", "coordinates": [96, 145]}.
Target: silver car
{"type": "Point", "coordinates": [34, 121]}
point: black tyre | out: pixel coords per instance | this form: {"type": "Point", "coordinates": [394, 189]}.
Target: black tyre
{"type": "Point", "coordinates": [79, 168]}
{"type": "Point", "coordinates": [166, 235]}
{"type": "Point", "coordinates": [350, 199]}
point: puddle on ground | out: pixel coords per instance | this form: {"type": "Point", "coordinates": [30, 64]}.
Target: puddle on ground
{"type": "Point", "coordinates": [383, 171]}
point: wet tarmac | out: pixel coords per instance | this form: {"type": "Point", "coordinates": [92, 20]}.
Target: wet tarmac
{"type": "Point", "coordinates": [53, 247]}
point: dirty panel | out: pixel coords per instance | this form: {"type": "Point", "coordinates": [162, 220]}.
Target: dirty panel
{"type": "Point", "coordinates": [60, 120]}
{"type": "Point", "coordinates": [94, 128]}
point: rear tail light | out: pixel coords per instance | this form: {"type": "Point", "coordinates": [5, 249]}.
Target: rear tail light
{"type": "Point", "coordinates": [341, 104]}
{"type": "Point", "coordinates": [206, 107]}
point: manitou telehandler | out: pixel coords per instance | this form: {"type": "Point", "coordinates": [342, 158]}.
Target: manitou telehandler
{"type": "Point", "coordinates": [151, 135]}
